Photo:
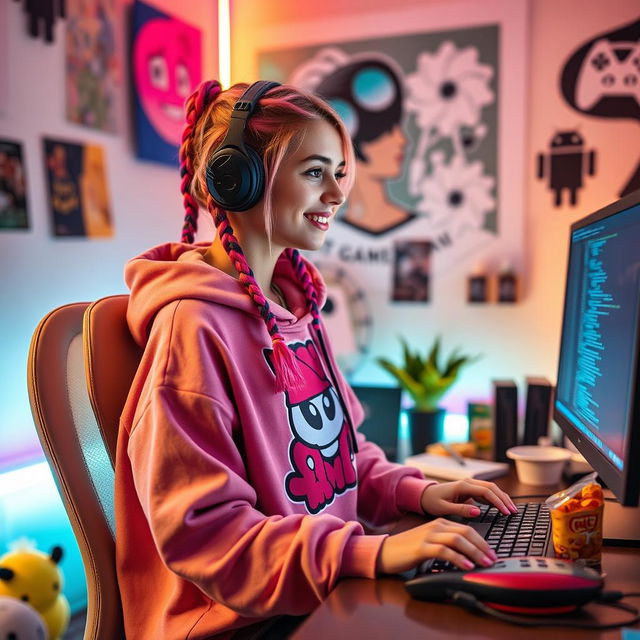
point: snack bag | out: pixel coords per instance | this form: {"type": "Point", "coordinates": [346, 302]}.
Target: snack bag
{"type": "Point", "coordinates": [576, 521]}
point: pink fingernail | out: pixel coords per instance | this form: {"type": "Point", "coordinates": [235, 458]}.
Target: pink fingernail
{"type": "Point", "coordinates": [467, 564]}
{"type": "Point", "coordinates": [487, 561]}
{"type": "Point", "coordinates": [474, 511]}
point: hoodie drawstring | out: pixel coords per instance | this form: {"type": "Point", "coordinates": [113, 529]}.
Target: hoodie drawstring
{"type": "Point", "coordinates": [343, 404]}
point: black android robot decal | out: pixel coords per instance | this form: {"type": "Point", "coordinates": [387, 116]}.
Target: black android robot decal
{"type": "Point", "coordinates": [565, 165]}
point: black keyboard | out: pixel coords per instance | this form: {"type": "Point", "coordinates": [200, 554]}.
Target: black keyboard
{"type": "Point", "coordinates": [526, 533]}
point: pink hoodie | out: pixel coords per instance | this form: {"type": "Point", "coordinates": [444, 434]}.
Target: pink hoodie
{"type": "Point", "coordinates": [235, 503]}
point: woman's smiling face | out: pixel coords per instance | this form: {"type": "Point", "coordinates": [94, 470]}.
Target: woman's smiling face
{"type": "Point", "coordinates": [306, 189]}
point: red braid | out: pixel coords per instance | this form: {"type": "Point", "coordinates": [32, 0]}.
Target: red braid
{"type": "Point", "coordinates": [287, 370]}
{"type": "Point", "coordinates": [195, 105]}
{"type": "Point", "coordinates": [304, 277]}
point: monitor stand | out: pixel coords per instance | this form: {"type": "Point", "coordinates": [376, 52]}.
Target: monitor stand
{"type": "Point", "coordinates": [621, 525]}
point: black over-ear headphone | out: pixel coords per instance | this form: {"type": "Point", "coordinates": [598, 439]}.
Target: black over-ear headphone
{"type": "Point", "coordinates": [235, 174]}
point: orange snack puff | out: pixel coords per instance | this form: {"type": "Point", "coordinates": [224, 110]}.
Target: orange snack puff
{"type": "Point", "coordinates": [576, 521]}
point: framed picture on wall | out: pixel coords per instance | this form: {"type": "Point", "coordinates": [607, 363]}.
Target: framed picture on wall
{"type": "Point", "coordinates": [92, 64]}
{"type": "Point", "coordinates": [166, 67]}
{"type": "Point", "coordinates": [411, 271]}
{"type": "Point", "coordinates": [13, 187]}
{"type": "Point", "coordinates": [78, 195]}
{"type": "Point", "coordinates": [439, 144]}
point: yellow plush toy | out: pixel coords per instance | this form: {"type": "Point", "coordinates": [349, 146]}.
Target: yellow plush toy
{"type": "Point", "coordinates": [34, 577]}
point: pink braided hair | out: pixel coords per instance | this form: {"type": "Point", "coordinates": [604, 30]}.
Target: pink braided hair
{"type": "Point", "coordinates": [287, 370]}
{"type": "Point", "coordinates": [309, 288]}
{"type": "Point", "coordinates": [206, 93]}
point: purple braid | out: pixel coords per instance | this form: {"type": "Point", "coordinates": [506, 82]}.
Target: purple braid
{"type": "Point", "coordinates": [195, 105]}
{"type": "Point", "coordinates": [304, 277]}
{"type": "Point", "coordinates": [288, 375]}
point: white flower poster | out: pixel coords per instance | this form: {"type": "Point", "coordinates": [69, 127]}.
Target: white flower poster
{"type": "Point", "coordinates": [424, 111]}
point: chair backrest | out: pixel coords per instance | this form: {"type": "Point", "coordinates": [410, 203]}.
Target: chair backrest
{"type": "Point", "coordinates": [76, 399]}
{"type": "Point", "coordinates": [111, 360]}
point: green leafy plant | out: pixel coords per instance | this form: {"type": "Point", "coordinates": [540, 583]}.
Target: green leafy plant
{"type": "Point", "coordinates": [424, 378]}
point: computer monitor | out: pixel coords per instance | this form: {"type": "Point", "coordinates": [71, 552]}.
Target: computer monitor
{"type": "Point", "coordinates": [598, 387]}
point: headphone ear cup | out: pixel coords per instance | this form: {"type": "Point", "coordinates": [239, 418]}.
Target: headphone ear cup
{"type": "Point", "coordinates": [235, 178]}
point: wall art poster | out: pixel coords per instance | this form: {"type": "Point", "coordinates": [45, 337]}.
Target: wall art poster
{"type": "Point", "coordinates": [13, 187]}
{"type": "Point", "coordinates": [166, 68]}
{"type": "Point", "coordinates": [78, 194]}
{"type": "Point", "coordinates": [92, 64]}
{"type": "Point", "coordinates": [424, 114]}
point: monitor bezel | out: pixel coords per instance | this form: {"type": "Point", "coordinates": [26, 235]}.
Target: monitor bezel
{"type": "Point", "coordinates": [625, 484]}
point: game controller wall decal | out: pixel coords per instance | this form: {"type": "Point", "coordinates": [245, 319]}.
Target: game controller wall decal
{"type": "Point", "coordinates": [602, 79]}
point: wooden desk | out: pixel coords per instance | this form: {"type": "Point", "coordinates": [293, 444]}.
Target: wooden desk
{"type": "Point", "coordinates": [381, 609]}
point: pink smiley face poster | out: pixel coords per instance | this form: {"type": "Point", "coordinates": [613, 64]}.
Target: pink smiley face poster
{"type": "Point", "coordinates": [166, 68]}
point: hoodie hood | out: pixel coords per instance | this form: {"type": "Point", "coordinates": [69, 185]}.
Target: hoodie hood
{"type": "Point", "coordinates": [175, 271]}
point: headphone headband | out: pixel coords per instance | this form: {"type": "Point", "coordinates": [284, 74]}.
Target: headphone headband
{"type": "Point", "coordinates": [235, 175]}
{"type": "Point", "coordinates": [242, 110]}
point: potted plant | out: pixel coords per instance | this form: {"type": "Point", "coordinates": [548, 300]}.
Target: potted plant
{"type": "Point", "coordinates": [427, 380]}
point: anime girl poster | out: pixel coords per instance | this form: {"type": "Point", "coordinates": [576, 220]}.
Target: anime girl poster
{"type": "Point", "coordinates": [423, 111]}
{"type": "Point", "coordinates": [92, 65]}
{"type": "Point", "coordinates": [166, 67]}
{"type": "Point", "coordinates": [13, 187]}
{"type": "Point", "coordinates": [78, 195]}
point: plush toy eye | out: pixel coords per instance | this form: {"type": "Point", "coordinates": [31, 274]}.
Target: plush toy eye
{"type": "Point", "coordinates": [25, 598]}
{"type": "Point", "coordinates": [56, 586]}
{"type": "Point", "coordinates": [12, 636]}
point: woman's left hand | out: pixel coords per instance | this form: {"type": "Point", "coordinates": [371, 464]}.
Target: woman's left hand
{"type": "Point", "coordinates": [454, 498]}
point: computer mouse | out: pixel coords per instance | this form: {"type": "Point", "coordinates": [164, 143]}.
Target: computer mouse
{"type": "Point", "coordinates": [533, 585]}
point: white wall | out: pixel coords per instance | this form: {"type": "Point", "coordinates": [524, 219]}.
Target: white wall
{"type": "Point", "coordinates": [39, 271]}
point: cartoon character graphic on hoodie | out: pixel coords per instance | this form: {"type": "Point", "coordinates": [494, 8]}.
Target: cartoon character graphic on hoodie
{"type": "Point", "coordinates": [320, 453]}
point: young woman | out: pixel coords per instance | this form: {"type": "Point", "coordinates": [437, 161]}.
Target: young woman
{"type": "Point", "coordinates": [243, 490]}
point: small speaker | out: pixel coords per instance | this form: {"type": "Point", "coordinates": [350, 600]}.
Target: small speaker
{"type": "Point", "coordinates": [505, 418]}
{"type": "Point", "coordinates": [538, 411]}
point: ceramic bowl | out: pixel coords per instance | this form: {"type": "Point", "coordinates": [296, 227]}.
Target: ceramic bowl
{"type": "Point", "coordinates": [539, 465]}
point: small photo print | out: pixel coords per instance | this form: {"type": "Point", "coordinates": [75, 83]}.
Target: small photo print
{"type": "Point", "coordinates": [412, 271]}
{"type": "Point", "coordinates": [78, 195]}
{"type": "Point", "coordinates": [13, 187]}
{"type": "Point", "coordinates": [478, 289]}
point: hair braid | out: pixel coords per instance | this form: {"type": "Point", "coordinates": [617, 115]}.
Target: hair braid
{"type": "Point", "coordinates": [304, 277]}
{"type": "Point", "coordinates": [288, 375]}
{"type": "Point", "coordinates": [195, 105]}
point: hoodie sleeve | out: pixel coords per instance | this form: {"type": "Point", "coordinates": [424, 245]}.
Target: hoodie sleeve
{"type": "Point", "coordinates": [192, 485]}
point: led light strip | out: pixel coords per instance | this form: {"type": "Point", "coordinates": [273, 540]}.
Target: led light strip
{"type": "Point", "coordinates": [224, 44]}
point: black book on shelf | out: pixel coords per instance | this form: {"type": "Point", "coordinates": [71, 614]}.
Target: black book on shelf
{"type": "Point", "coordinates": [537, 414]}
{"type": "Point", "coordinates": [505, 418]}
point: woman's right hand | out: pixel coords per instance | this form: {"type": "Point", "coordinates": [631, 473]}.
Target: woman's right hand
{"type": "Point", "coordinates": [440, 538]}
